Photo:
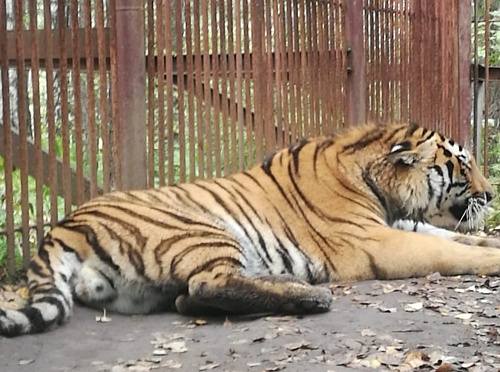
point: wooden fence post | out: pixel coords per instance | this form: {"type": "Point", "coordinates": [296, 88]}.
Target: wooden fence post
{"type": "Point", "coordinates": [464, 78]}
{"type": "Point", "coordinates": [129, 118]}
{"type": "Point", "coordinates": [356, 81]}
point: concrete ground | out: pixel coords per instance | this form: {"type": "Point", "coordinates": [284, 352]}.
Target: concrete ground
{"type": "Point", "coordinates": [429, 324]}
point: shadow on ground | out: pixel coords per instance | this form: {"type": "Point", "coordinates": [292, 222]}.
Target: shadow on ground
{"type": "Point", "coordinates": [429, 324]}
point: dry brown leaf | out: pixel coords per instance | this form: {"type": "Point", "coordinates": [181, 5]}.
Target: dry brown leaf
{"type": "Point", "coordinates": [445, 367]}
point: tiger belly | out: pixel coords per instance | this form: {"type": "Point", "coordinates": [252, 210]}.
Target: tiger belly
{"type": "Point", "coordinates": [118, 294]}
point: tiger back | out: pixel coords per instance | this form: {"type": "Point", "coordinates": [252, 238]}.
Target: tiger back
{"type": "Point", "coordinates": [369, 202]}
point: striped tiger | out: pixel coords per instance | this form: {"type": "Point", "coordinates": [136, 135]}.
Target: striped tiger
{"type": "Point", "coordinates": [375, 201]}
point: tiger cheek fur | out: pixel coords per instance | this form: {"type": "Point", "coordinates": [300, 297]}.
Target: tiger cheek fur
{"type": "Point", "coordinates": [268, 240]}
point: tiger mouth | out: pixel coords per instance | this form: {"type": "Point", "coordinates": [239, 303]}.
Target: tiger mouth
{"type": "Point", "coordinates": [470, 209]}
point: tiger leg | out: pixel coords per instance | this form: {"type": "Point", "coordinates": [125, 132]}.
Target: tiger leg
{"type": "Point", "coordinates": [425, 228]}
{"type": "Point", "coordinates": [233, 293]}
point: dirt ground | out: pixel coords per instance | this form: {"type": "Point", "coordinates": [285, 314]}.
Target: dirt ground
{"type": "Point", "coordinates": [429, 324]}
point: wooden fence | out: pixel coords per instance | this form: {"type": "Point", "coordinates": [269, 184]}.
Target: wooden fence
{"type": "Point", "coordinates": [101, 95]}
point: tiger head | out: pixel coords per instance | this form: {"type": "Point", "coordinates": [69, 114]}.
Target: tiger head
{"type": "Point", "coordinates": [434, 180]}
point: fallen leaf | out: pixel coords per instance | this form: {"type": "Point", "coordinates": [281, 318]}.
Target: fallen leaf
{"type": "Point", "coordinates": [24, 362]}
{"type": "Point", "coordinates": [176, 346]}
{"type": "Point", "coordinates": [465, 316]}
{"type": "Point", "coordinates": [367, 333]}
{"type": "Point", "coordinates": [384, 309]}
{"type": "Point", "coordinates": [416, 306]}
{"type": "Point", "coordinates": [209, 366]}
{"type": "Point", "coordinates": [445, 367]}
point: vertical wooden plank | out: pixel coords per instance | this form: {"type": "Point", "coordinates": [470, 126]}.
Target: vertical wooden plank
{"type": "Point", "coordinates": [161, 80]}
{"type": "Point", "coordinates": [35, 82]}
{"type": "Point", "coordinates": [7, 145]}
{"type": "Point", "coordinates": [223, 87]}
{"type": "Point", "coordinates": [249, 117]}
{"type": "Point", "coordinates": [268, 82]}
{"type": "Point", "coordinates": [464, 58]}
{"type": "Point", "coordinates": [90, 109]}
{"type": "Point", "coordinates": [64, 125]}
{"type": "Point", "coordinates": [151, 84]}
{"type": "Point", "coordinates": [207, 109]}
{"type": "Point", "coordinates": [300, 65]}
{"type": "Point", "coordinates": [239, 86]}
{"type": "Point", "coordinates": [181, 85]}
{"type": "Point", "coordinates": [130, 129]}
{"type": "Point", "coordinates": [278, 72]}
{"type": "Point", "coordinates": [257, 14]}
{"type": "Point", "coordinates": [232, 89]}
{"type": "Point", "coordinates": [23, 131]}
{"type": "Point", "coordinates": [356, 84]}
{"type": "Point", "coordinates": [190, 89]}
{"type": "Point", "coordinates": [215, 27]}
{"type": "Point", "coordinates": [103, 97]}
{"type": "Point", "coordinates": [486, 83]}
{"type": "Point", "coordinates": [77, 93]}
{"type": "Point", "coordinates": [198, 67]}
{"type": "Point", "coordinates": [169, 52]}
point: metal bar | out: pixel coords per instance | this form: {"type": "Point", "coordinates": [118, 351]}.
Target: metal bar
{"type": "Point", "coordinates": [129, 133]}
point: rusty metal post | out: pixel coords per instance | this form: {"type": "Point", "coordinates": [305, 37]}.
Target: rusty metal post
{"type": "Point", "coordinates": [356, 82]}
{"type": "Point", "coordinates": [129, 130]}
{"type": "Point", "coordinates": [464, 78]}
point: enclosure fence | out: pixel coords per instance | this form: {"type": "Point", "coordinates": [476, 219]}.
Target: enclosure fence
{"type": "Point", "coordinates": [119, 94]}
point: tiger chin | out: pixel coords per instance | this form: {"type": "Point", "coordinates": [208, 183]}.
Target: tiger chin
{"type": "Point", "coordinates": [371, 202]}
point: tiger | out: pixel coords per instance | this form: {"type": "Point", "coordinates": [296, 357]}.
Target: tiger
{"type": "Point", "coordinates": [384, 201]}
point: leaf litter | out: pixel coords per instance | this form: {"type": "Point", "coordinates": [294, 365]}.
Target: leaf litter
{"type": "Point", "coordinates": [286, 342]}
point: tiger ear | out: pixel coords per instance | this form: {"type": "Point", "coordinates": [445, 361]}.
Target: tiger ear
{"type": "Point", "coordinates": [403, 153]}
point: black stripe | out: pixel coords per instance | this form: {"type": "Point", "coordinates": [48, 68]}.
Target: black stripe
{"type": "Point", "coordinates": [36, 269]}
{"type": "Point", "coordinates": [367, 140]}
{"type": "Point", "coordinates": [250, 220]}
{"type": "Point", "coordinates": [412, 128]}
{"type": "Point", "coordinates": [213, 263]}
{"type": "Point", "coordinates": [429, 136]}
{"type": "Point", "coordinates": [373, 187]}
{"type": "Point", "coordinates": [203, 245]}
{"type": "Point", "coordinates": [92, 240]}
{"type": "Point", "coordinates": [295, 151]}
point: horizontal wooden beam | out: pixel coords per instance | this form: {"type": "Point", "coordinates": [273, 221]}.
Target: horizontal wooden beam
{"type": "Point", "coordinates": [32, 155]}
{"type": "Point", "coordinates": [74, 49]}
